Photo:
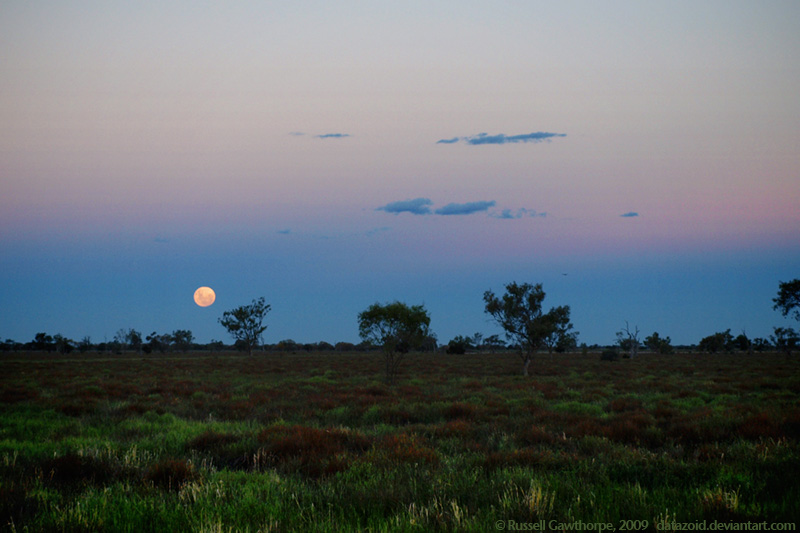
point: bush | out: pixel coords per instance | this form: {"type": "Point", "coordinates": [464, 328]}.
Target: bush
{"type": "Point", "coordinates": [609, 355]}
{"type": "Point", "coordinates": [171, 474]}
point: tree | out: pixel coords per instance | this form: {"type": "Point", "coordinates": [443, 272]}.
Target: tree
{"type": "Point", "coordinates": [718, 342]}
{"type": "Point", "coordinates": [43, 341]}
{"type": "Point", "coordinates": [134, 339]}
{"type": "Point", "coordinates": [477, 340]}
{"type": "Point", "coordinates": [245, 322]}
{"type": "Point", "coordinates": [182, 339]}
{"type": "Point", "coordinates": [397, 328]}
{"type": "Point", "coordinates": [63, 344]}
{"type": "Point", "coordinates": [459, 345]}
{"type": "Point", "coordinates": [658, 344]}
{"type": "Point", "coordinates": [785, 340]}
{"type": "Point", "coordinates": [743, 343]}
{"type": "Point", "coordinates": [788, 299]}
{"type": "Point", "coordinates": [558, 336]}
{"type": "Point", "coordinates": [629, 340]}
{"type": "Point", "coordinates": [519, 313]}
{"type": "Point", "coordinates": [157, 342]}
{"type": "Point", "coordinates": [494, 342]}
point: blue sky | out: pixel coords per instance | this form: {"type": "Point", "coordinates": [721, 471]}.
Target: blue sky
{"type": "Point", "coordinates": [638, 159]}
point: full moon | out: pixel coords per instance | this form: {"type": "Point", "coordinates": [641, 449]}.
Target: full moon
{"type": "Point", "coordinates": [204, 296]}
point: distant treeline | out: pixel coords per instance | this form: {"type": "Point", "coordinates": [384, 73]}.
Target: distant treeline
{"type": "Point", "coordinates": [181, 341]}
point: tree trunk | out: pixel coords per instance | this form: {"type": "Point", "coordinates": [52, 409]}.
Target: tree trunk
{"type": "Point", "coordinates": [525, 366]}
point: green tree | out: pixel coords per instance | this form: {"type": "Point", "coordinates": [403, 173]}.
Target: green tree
{"type": "Point", "coordinates": [658, 344]}
{"type": "Point", "coordinates": [519, 313]}
{"type": "Point", "coordinates": [718, 342]}
{"type": "Point", "coordinates": [788, 299]}
{"type": "Point", "coordinates": [459, 345]}
{"type": "Point", "coordinates": [43, 341]}
{"type": "Point", "coordinates": [182, 339]}
{"type": "Point", "coordinates": [134, 340]}
{"type": "Point", "coordinates": [785, 340]}
{"type": "Point", "coordinates": [245, 322]}
{"type": "Point", "coordinates": [397, 328]}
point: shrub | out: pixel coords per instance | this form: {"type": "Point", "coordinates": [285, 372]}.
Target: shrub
{"type": "Point", "coordinates": [459, 410]}
{"type": "Point", "coordinates": [170, 474]}
{"type": "Point", "coordinates": [312, 451]}
{"type": "Point", "coordinates": [609, 355]}
{"type": "Point", "coordinates": [72, 468]}
{"type": "Point", "coordinates": [533, 435]}
{"type": "Point", "coordinates": [759, 426]}
{"type": "Point", "coordinates": [402, 448]}
{"type": "Point", "coordinates": [624, 403]}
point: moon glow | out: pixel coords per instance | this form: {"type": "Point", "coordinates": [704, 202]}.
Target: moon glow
{"type": "Point", "coordinates": [204, 296]}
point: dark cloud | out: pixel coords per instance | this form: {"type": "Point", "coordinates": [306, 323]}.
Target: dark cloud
{"type": "Point", "coordinates": [417, 206]}
{"type": "Point", "coordinates": [630, 214]}
{"type": "Point", "coordinates": [465, 209]}
{"type": "Point", "coordinates": [501, 138]}
{"type": "Point", "coordinates": [332, 136]}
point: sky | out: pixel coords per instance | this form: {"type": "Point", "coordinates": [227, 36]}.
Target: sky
{"type": "Point", "coordinates": [639, 159]}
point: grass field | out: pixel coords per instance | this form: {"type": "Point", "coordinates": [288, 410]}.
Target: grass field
{"type": "Point", "coordinates": [285, 442]}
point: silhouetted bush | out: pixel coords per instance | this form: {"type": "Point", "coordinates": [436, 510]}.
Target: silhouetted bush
{"type": "Point", "coordinates": [609, 355]}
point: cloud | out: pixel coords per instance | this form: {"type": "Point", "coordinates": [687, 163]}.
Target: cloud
{"type": "Point", "coordinates": [284, 231]}
{"type": "Point", "coordinates": [507, 214]}
{"type": "Point", "coordinates": [421, 206]}
{"type": "Point", "coordinates": [375, 231]}
{"type": "Point", "coordinates": [296, 133]}
{"type": "Point", "coordinates": [465, 209]}
{"type": "Point", "coordinates": [417, 206]}
{"type": "Point", "coordinates": [332, 136]}
{"type": "Point", "coordinates": [630, 214]}
{"type": "Point", "coordinates": [501, 138]}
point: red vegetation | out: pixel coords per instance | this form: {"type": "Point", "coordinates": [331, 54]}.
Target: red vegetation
{"type": "Point", "coordinates": [170, 474]}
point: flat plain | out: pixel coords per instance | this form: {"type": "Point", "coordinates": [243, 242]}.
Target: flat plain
{"type": "Point", "coordinates": [318, 442]}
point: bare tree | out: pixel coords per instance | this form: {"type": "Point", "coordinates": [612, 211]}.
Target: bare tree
{"type": "Point", "coordinates": [629, 340]}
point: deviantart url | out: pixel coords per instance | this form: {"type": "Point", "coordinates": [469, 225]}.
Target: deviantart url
{"type": "Point", "coordinates": [641, 525]}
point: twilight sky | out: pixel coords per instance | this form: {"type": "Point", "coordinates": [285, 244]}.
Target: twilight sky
{"type": "Point", "coordinates": [640, 159]}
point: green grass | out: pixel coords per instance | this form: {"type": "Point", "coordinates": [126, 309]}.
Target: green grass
{"type": "Point", "coordinates": [285, 442]}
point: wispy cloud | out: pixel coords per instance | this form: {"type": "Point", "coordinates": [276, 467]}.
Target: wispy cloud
{"type": "Point", "coordinates": [502, 138]}
{"type": "Point", "coordinates": [284, 231]}
{"type": "Point", "coordinates": [376, 231]}
{"type": "Point", "coordinates": [417, 206]}
{"type": "Point", "coordinates": [630, 214]}
{"type": "Point", "coordinates": [422, 206]}
{"type": "Point", "coordinates": [508, 214]}
{"type": "Point", "coordinates": [465, 209]}
{"type": "Point", "coordinates": [332, 136]}
{"type": "Point", "coordinates": [296, 133]}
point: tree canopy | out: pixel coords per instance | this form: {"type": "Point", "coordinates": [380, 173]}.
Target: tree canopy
{"type": "Point", "coordinates": [519, 313]}
{"type": "Point", "coordinates": [396, 327]}
{"type": "Point", "coordinates": [245, 323]}
{"type": "Point", "coordinates": [788, 299]}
